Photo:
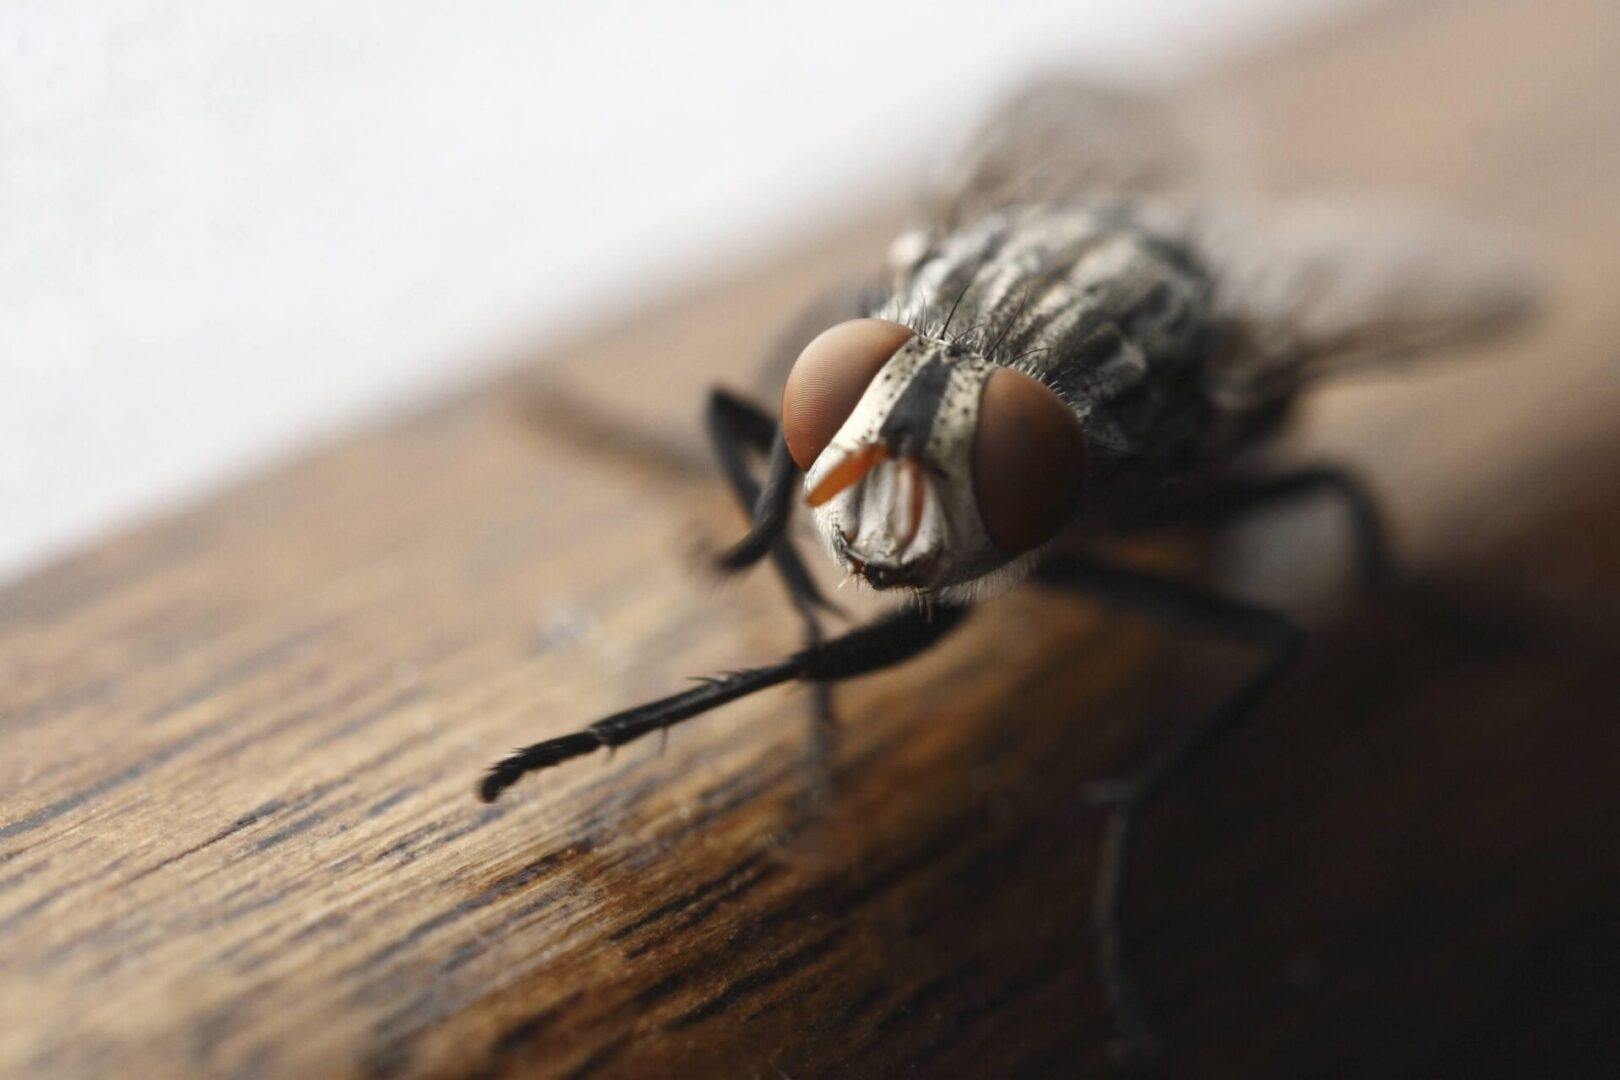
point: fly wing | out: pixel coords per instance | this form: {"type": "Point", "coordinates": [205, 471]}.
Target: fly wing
{"type": "Point", "coordinates": [1063, 139]}
{"type": "Point", "coordinates": [1310, 289]}
{"type": "Point", "coordinates": [1302, 289]}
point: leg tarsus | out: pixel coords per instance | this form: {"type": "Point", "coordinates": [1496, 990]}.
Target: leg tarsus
{"type": "Point", "coordinates": [1137, 1044]}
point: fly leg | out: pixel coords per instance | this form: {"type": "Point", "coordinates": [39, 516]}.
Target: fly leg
{"type": "Point", "coordinates": [1128, 797]}
{"type": "Point", "coordinates": [881, 644]}
{"type": "Point", "coordinates": [735, 426]}
{"type": "Point", "coordinates": [1240, 495]}
{"type": "Point", "coordinates": [1415, 597]}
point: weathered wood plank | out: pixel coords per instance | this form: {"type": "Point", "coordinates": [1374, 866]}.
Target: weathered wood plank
{"type": "Point", "coordinates": [237, 746]}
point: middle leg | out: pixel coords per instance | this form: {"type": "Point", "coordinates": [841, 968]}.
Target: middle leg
{"type": "Point", "coordinates": [1236, 496]}
{"type": "Point", "coordinates": [1127, 798]}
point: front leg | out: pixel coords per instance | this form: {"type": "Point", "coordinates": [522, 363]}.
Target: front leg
{"type": "Point", "coordinates": [877, 646]}
{"type": "Point", "coordinates": [1128, 797]}
{"type": "Point", "coordinates": [735, 427]}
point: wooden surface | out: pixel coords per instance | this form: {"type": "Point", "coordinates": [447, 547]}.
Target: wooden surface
{"type": "Point", "coordinates": [238, 746]}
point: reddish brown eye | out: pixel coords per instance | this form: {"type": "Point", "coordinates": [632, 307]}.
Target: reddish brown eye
{"type": "Point", "coordinates": [1029, 461]}
{"type": "Point", "coordinates": [828, 380]}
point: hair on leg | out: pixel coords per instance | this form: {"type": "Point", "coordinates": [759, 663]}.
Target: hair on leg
{"type": "Point", "coordinates": [882, 644]}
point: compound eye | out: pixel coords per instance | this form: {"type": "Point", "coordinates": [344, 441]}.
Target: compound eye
{"type": "Point", "coordinates": [828, 380]}
{"type": "Point", "coordinates": [1029, 461]}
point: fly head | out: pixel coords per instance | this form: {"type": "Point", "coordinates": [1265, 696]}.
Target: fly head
{"type": "Point", "coordinates": [927, 466]}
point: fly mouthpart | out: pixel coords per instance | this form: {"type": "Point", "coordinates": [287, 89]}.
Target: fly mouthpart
{"type": "Point", "coordinates": [887, 572]}
{"type": "Point", "coordinates": [856, 466]}
{"type": "Point", "coordinates": [914, 575]}
{"type": "Point", "coordinates": [916, 481]}
{"type": "Point", "coordinates": [885, 520]}
{"type": "Point", "coordinates": [847, 473]}
{"type": "Point", "coordinates": [906, 505]}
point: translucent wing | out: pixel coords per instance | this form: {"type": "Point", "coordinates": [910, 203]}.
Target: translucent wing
{"type": "Point", "coordinates": [1312, 288]}
{"type": "Point", "coordinates": [1301, 289]}
{"type": "Point", "coordinates": [1063, 139]}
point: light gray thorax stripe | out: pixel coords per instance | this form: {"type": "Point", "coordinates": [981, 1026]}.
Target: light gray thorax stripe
{"type": "Point", "coordinates": [1087, 298]}
{"type": "Point", "coordinates": [1032, 262]}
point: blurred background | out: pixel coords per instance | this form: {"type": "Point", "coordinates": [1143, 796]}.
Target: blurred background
{"type": "Point", "coordinates": [229, 229]}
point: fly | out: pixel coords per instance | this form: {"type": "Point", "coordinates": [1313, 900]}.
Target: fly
{"type": "Point", "coordinates": [1074, 341]}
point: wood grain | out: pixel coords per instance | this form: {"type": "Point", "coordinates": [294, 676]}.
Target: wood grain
{"type": "Point", "coordinates": [238, 746]}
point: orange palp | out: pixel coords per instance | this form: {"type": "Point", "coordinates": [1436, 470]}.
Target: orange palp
{"type": "Point", "coordinates": [847, 473]}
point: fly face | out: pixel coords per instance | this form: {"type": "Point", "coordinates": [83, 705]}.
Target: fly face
{"type": "Point", "coordinates": [927, 466]}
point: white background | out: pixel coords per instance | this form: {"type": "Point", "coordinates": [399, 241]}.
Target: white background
{"type": "Point", "coordinates": [227, 228]}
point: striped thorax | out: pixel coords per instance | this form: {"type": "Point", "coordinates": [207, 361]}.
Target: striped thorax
{"type": "Point", "coordinates": [950, 436]}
